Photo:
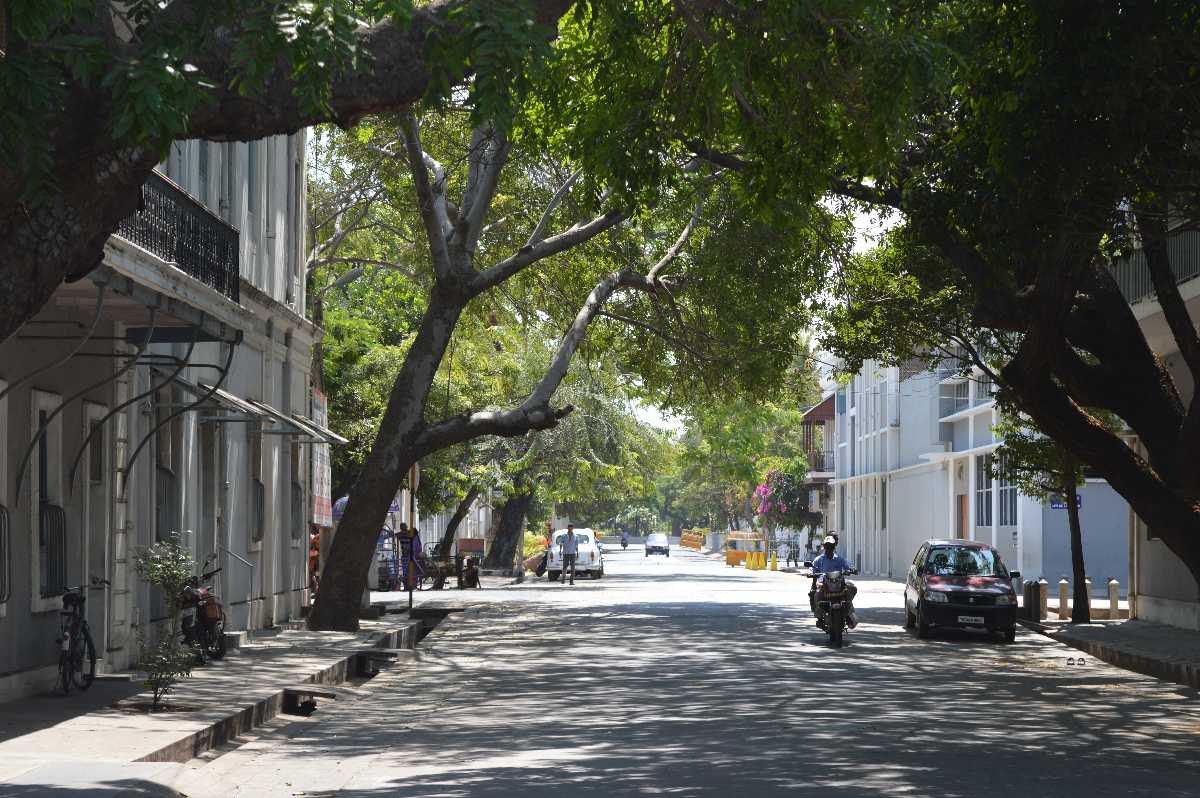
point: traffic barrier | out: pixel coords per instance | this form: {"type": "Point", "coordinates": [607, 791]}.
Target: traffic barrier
{"type": "Point", "coordinates": [774, 561]}
{"type": "Point", "coordinates": [1114, 599]}
{"type": "Point", "coordinates": [1064, 611]}
{"type": "Point", "coordinates": [734, 558]}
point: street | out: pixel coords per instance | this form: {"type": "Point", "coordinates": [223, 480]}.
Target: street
{"type": "Point", "coordinates": [683, 676]}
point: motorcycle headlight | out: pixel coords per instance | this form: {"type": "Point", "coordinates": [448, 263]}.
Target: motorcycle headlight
{"type": "Point", "coordinates": [936, 596]}
{"type": "Point", "coordinates": [1006, 600]}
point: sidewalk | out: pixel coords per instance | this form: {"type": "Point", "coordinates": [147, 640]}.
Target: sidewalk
{"type": "Point", "coordinates": [1164, 652]}
{"type": "Point", "coordinates": [111, 746]}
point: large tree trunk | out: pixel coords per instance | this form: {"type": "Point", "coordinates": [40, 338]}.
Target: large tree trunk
{"type": "Point", "coordinates": [345, 574]}
{"type": "Point", "coordinates": [460, 513]}
{"type": "Point", "coordinates": [510, 532]}
{"type": "Point", "coordinates": [1081, 609]}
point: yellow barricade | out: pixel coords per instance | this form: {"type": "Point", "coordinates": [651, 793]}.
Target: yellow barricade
{"type": "Point", "coordinates": [734, 558]}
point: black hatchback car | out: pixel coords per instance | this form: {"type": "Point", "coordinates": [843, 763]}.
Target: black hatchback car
{"type": "Point", "coordinates": [963, 584]}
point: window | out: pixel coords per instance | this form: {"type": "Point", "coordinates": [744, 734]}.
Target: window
{"type": "Point", "coordinates": [984, 388]}
{"type": "Point", "coordinates": [258, 491]}
{"type": "Point", "coordinates": [253, 186]}
{"type": "Point", "coordinates": [95, 453]}
{"type": "Point", "coordinates": [202, 171]}
{"type": "Point", "coordinates": [983, 490]}
{"type": "Point", "coordinates": [48, 528]}
{"type": "Point", "coordinates": [962, 396]}
{"type": "Point", "coordinates": [1008, 503]}
{"type": "Point", "coordinates": [52, 549]}
{"type": "Point", "coordinates": [883, 504]}
{"type": "Point", "coordinates": [298, 504]}
{"type": "Point", "coordinates": [964, 561]}
{"type": "Point", "coordinates": [168, 441]}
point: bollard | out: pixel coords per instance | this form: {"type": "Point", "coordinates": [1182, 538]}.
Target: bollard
{"type": "Point", "coordinates": [1043, 595]}
{"type": "Point", "coordinates": [1114, 595]}
{"type": "Point", "coordinates": [1064, 612]}
{"type": "Point", "coordinates": [774, 561]}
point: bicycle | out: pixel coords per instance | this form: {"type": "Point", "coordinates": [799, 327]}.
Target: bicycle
{"type": "Point", "coordinates": [77, 652]}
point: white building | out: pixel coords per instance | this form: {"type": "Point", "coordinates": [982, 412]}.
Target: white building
{"type": "Point", "coordinates": [913, 448]}
{"type": "Point", "coordinates": [1162, 588]}
{"type": "Point", "coordinates": [169, 391]}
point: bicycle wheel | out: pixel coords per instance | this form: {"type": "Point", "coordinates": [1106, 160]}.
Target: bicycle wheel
{"type": "Point", "coordinates": [64, 672]}
{"type": "Point", "coordinates": [84, 659]}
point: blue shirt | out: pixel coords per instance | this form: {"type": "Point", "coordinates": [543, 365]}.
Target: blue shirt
{"type": "Point", "coordinates": [824, 565]}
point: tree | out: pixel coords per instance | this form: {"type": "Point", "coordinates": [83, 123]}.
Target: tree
{"type": "Point", "coordinates": [782, 498]}
{"type": "Point", "coordinates": [1042, 469]}
{"type": "Point", "coordinates": [93, 94]}
{"type": "Point", "coordinates": [660, 257]}
{"type": "Point", "coordinates": [636, 519]}
{"type": "Point", "coordinates": [1024, 149]}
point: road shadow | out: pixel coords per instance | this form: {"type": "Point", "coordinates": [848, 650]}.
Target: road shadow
{"type": "Point", "coordinates": [718, 698]}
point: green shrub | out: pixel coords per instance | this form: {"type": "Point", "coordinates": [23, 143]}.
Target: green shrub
{"type": "Point", "coordinates": [168, 566]}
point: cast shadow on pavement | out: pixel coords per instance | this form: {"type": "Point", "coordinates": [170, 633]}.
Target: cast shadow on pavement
{"type": "Point", "coordinates": [714, 699]}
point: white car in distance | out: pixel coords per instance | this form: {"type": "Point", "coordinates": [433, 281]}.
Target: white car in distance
{"type": "Point", "coordinates": [590, 560]}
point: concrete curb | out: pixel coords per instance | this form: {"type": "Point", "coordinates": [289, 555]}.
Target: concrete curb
{"type": "Point", "coordinates": [1186, 673]}
{"type": "Point", "coordinates": [227, 725]}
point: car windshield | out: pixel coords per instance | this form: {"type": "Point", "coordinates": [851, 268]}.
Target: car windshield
{"type": "Point", "coordinates": [656, 539]}
{"type": "Point", "coordinates": [580, 538]}
{"type": "Point", "coordinates": [964, 561]}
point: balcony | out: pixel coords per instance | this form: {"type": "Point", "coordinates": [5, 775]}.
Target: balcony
{"type": "Point", "coordinates": [183, 232]}
{"type": "Point", "coordinates": [819, 462]}
{"type": "Point", "coordinates": [1133, 276]}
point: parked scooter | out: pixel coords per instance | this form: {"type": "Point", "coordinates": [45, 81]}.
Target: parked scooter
{"type": "Point", "coordinates": [833, 603]}
{"type": "Point", "coordinates": [204, 616]}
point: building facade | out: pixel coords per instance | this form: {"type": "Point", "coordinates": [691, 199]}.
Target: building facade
{"type": "Point", "coordinates": [912, 462]}
{"type": "Point", "coordinates": [1162, 588]}
{"type": "Point", "coordinates": [169, 392]}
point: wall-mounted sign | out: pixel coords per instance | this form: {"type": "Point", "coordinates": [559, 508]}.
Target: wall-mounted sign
{"type": "Point", "coordinates": [1059, 503]}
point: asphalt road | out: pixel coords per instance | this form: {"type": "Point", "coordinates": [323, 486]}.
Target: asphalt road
{"type": "Point", "coordinates": [682, 676]}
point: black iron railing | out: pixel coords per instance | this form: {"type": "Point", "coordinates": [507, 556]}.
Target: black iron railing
{"type": "Point", "coordinates": [52, 554]}
{"type": "Point", "coordinates": [180, 230]}
{"type": "Point", "coordinates": [1133, 275]}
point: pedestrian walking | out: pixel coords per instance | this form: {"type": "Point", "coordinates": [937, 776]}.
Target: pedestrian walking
{"type": "Point", "coordinates": [570, 550]}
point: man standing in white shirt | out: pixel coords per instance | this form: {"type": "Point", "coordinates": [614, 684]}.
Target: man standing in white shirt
{"type": "Point", "coordinates": [570, 551]}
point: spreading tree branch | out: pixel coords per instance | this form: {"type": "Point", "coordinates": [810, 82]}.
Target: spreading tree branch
{"type": "Point", "coordinates": [427, 200]}
{"type": "Point", "coordinates": [488, 154]}
{"type": "Point", "coordinates": [553, 245]}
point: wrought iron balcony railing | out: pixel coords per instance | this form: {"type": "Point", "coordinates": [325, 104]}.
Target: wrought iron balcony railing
{"type": "Point", "coordinates": [1133, 276]}
{"type": "Point", "coordinates": [180, 230]}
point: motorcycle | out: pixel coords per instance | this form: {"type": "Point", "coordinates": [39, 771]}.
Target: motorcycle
{"type": "Point", "coordinates": [833, 602]}
{"type": "Point", "coordinates": [624, 543]}
{"type": "Point", "coordinates": [204, 617]}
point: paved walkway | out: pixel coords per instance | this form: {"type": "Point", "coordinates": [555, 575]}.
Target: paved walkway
{"type": "Point", "coordinates": [103, 743]}
{"type": "Point", "coordinates": [1165, 652]}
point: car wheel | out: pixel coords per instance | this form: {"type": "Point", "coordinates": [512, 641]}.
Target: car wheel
{"type": "Point", "coordinates": [1010, 635]}
{"type": "Point", "coordinates": [598, 574]}
{"type": "Point", "coordinates": [668, 553]}
{"type": "Point", "coordinates": [910, 620]}
{"type": "Point", "coordinates": [552, 575]}
{"type": "Point", "coordinates": [922, 624]}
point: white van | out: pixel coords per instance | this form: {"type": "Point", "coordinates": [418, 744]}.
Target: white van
{"type": "Point", "coordinates": [590, 560]}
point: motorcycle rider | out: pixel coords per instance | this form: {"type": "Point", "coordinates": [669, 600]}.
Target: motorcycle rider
{"type": "Point", "coordinates": [828, 562]}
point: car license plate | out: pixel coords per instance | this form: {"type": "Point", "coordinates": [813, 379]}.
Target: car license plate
{"type": "Point", "coordinates": [970, 619]}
